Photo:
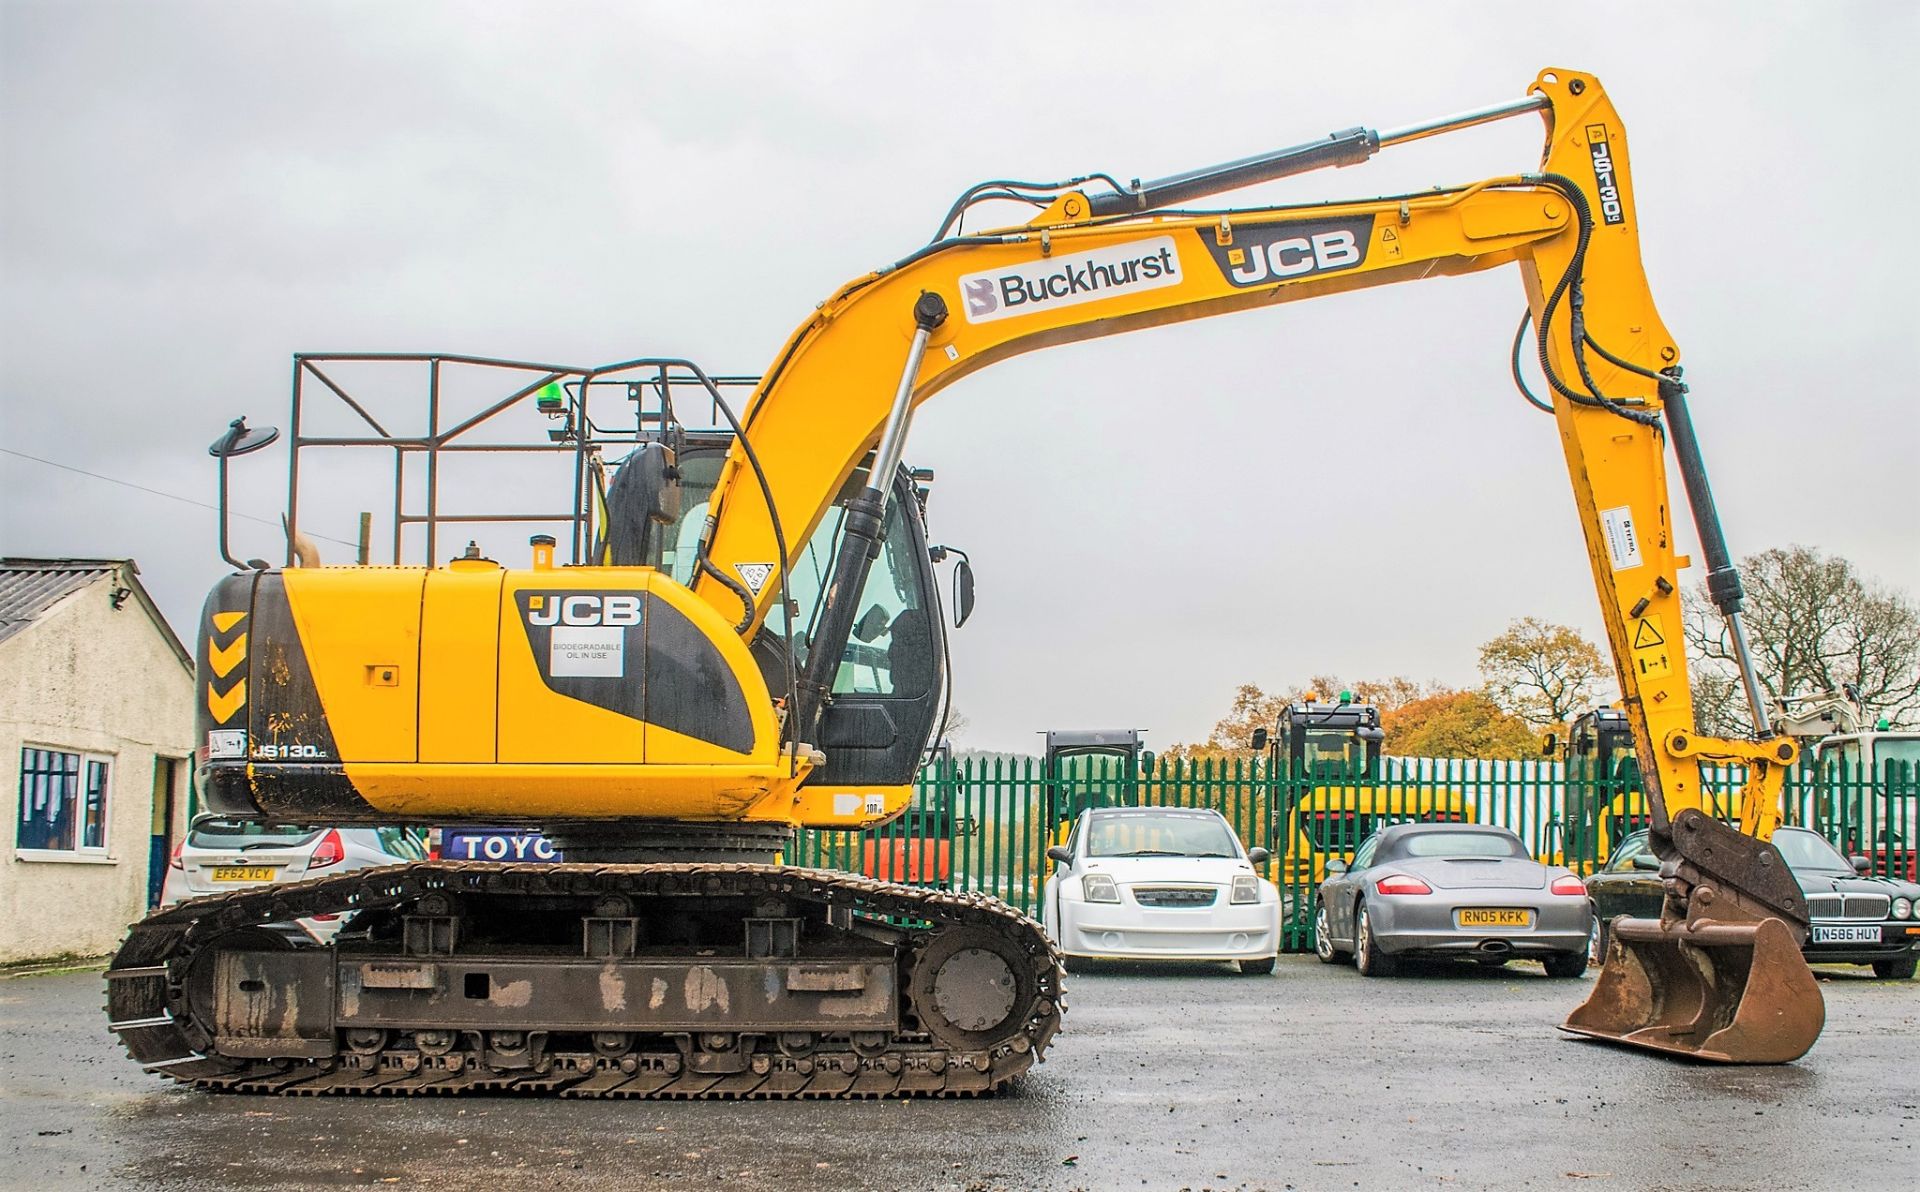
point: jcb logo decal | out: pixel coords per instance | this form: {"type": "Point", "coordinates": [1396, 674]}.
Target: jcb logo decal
{"type": "Point", "coordinates": [583, 608]}
{"type": "Point", "coordinates": [1270, 253]}
{"type": "Point", "coordinates": [1611, 208]}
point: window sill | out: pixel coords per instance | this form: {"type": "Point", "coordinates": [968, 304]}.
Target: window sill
{"type": "Point", "coordinates": [47, 857]}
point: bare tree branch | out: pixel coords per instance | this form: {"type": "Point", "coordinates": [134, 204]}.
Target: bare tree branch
{"type": "Point", "coordinates": [1545, 674]}
{"type": "Point", "coordinates": [1814, 623]}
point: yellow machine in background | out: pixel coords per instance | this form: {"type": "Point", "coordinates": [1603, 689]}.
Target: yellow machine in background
{"type": "Point", "coordinates": [1331, 797]}
{"type": "Point", "coordinates": [748, 640]}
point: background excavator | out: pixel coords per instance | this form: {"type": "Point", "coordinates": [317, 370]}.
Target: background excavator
{"type": "Point", "coordinates": [746, 638]}
{"type": "Point", "coordinates": [1330, 753]}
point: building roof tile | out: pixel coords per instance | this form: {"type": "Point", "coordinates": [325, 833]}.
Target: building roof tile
{"type": "Point", "coordinates": [29, 587]}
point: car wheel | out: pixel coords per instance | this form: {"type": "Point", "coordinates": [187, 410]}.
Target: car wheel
{"type": "Point", "coordinates": [1597, 942]}
{"type": "Point", "coordinates": [1323, 936]}
{"type": "Point", "coordinates": [1258, 968]}
{"type": "Point", "coordinates": [1894, 970]}
{"type": "Point", "coordinates": [1566, 964]}
{"type": "Point", "coordinates": [1367, 956]}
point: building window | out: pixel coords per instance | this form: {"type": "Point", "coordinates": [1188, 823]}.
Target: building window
{"type": "Point", "coordinates": [63, 802]}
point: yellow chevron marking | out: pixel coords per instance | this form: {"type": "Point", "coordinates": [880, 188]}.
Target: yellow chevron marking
{"type": "Point", "coordinates": [224, 658]}
{"type": "Point", "coordinates": [224, 706]}
{"type": "Point", "coordinates": [226, 621]}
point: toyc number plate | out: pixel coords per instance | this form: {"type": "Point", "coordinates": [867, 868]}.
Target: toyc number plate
{"type": "Point", "coordinates": [1846, 933]}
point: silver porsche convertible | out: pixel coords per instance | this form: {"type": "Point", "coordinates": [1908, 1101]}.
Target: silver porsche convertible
{"type": "Point", "coordinates": [1468, 890]}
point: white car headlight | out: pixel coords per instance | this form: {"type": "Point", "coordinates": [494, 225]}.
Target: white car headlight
{"type": "Point", "coordinates": [1246, 888]}
{"type": "Point", "coordinates": [1903, 908]}
{"type": "Point", "coordinates": [1099, 887]}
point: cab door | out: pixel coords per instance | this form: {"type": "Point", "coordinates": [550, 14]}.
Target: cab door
{"type": "Point", "coordinates": [887, 690]}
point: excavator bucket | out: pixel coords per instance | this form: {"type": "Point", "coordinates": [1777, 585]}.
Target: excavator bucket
{"type": "Point", "coordinates": [1732, 993]}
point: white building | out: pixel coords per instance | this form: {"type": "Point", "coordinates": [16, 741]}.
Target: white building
{"type": "Point", "coordinates": [96, 727]}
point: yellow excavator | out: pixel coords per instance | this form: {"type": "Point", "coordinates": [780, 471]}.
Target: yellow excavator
{"type": "Point", "coordinates": [746, 639]}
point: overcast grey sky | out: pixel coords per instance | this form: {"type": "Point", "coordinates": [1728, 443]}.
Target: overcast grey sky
{"type": "Point", "coordinates": [192, 192]}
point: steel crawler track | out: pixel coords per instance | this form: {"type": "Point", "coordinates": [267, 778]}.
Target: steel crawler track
{"type": "Point", "coordinates": [149, 1006]}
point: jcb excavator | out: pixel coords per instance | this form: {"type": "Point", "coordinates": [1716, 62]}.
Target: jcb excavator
{"type": "Point", "coordinates": [671, 706]}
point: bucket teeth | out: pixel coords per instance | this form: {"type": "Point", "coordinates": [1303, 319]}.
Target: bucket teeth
{"type": "Point", "coordinates": [1731, 993]}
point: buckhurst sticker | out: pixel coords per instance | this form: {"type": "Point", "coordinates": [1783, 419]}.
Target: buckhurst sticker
{"type": "Point", "coordinates": [1611, 208]}
{"type": "Point", "coordinates": [1263, 254]}
{"type": "Point", "coordinates": [1053, 282]}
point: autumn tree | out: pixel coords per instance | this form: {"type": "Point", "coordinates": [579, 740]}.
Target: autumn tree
{"type": "Point", "coordinates": [1814, 623]}
{"type": "Point", "coordinates": [1457, 724]}
{"type": "Point", "coordinates": [1253, 707]}
{"type": "Point", "coordinates": [1543, 673]}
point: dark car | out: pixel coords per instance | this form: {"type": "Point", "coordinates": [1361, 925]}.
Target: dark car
{"type": "Point", "coordinates": [1856, 919]}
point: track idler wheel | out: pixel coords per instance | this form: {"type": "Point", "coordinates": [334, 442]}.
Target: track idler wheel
{"type": "Point", "coordinates": [1733, 993]}
{"type": "Point", "coordinates": [972, 988]}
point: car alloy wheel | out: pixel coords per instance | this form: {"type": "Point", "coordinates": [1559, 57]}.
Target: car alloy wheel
{"type": "Point", "coordinates": [1323, 936]}
{"type": "Point", "coordinates": [1367, 956]}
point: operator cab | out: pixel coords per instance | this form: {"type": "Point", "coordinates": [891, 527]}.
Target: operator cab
{"type": "Point", "coordinates": [890, 683]}
{"type": "Point", "coordinates": [1871, 753]}
{"type": "Point", "coordinates": [1090, 768]}
{"type": "Point", "coordinates": [1325, 740]}
{"type": "Point", "coordinates": [1600, 743]}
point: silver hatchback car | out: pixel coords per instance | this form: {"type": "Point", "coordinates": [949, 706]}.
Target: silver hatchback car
{"type": "Point", "coordinates": [220, 854]}
{"type": "Point", "coordinates": [1466, 890]}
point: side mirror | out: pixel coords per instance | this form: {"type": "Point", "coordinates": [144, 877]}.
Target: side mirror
{"type": "Point", "coordinates": [1060, 853]}
{"type": "Point", "coordinates": [962, 591]}
{"type": "Point", "coordinates": [1259, 742]}
{"type": "Point", "coordinates": [871, 624]}
{"type": "Point", "coordinates": [1646, 861]}
{"type": "Point", "coordinates": [1860, 864]}
{"type": "Point", "coordinates": [1259, 856]}
{"type": "Point", "coordinates": [239, 440]}
{"type": "Point", "coordinates": [1336, 865]}
{"type": "Point", "coordinates": [1549, 745]}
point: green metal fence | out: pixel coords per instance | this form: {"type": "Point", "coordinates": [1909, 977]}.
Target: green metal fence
{"type": "Point", "coordinates": [985, 824]}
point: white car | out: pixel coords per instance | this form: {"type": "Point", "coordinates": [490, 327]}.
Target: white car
{"type": "Point", "coordinates": [1161, 883]}
{"type": "Point", "coordinates": [220, 854]}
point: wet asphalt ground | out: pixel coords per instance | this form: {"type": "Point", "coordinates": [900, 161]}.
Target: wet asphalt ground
{"type": "Point", "coordinates": [1162, 1079]}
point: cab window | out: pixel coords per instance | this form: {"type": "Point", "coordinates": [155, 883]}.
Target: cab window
{"type": "Point", "coordinates": [890, 651]}
{"type": "Point", "coordinates": [1899, 753]}
{"type": "Point", "coordinates": [1623, 857]}
{"type": "Point", "coordinates": [1333, 752]}
{"type": "Point", "coordinates": [1845, 755]}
